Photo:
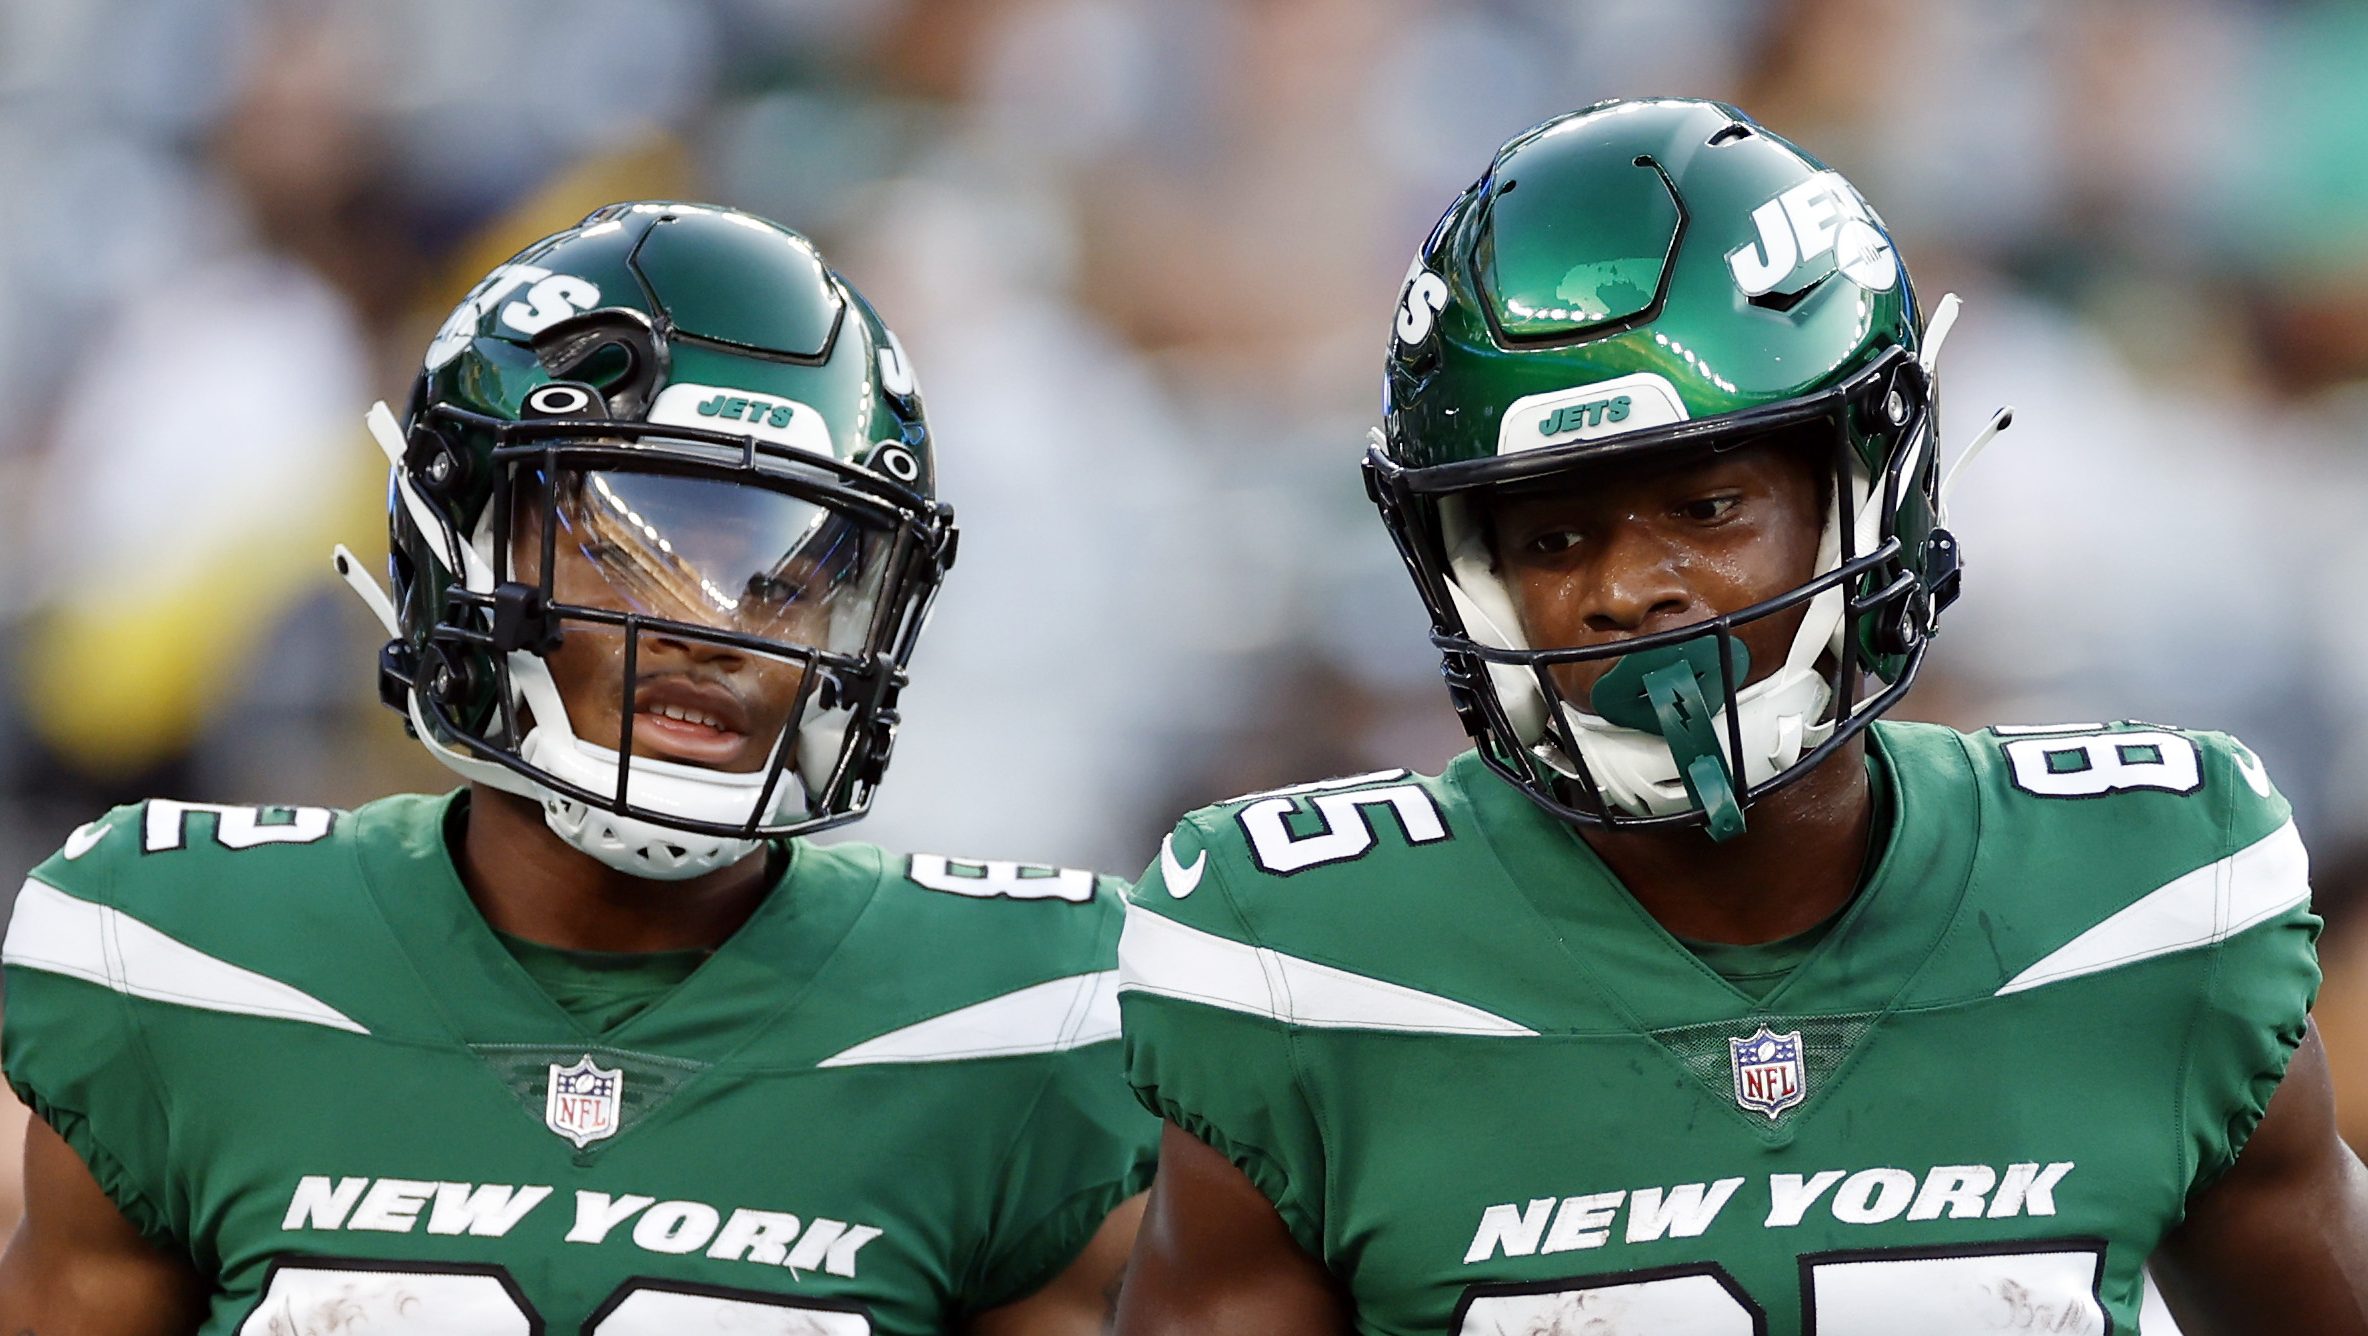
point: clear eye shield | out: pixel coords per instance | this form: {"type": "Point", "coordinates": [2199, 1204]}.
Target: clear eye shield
{"type": "Point", "coordinates": [704, 552]}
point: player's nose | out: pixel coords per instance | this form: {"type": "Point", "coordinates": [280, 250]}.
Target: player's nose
{"type": "Point", "coordinates": [695, 649]}
{"type": "Point", "coordinates": [1637, 585]}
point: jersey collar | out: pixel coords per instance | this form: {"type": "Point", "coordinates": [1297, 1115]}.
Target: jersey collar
{"type": "Point", "coordinates": [484, 996]}
{"type": "Point", "coordinates": [1864, 965]}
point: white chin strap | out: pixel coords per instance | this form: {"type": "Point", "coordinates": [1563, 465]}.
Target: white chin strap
{"type": "Point", "coordinates": [635, 845]}
{"type": "Point", "coordinates": [630, 844]}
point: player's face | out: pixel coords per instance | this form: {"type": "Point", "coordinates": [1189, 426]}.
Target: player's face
{"type": "Point", "coordinates": [1642, 549]}
{"type": "Point", "coordinates": [711, 554]}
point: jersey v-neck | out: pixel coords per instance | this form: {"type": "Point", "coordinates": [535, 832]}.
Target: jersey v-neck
{"type": "Point", "coordinates": [1862, 962]}
{"type": "Point", "coordinates": [1756, 968]}
{"type": "Point", "coordinates": [485, 994]}
{"type": "Point", "coordinates": [601, 989]}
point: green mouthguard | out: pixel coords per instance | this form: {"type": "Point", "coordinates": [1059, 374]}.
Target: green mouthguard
{"type": "Point", "coordinates": [1666, 691]}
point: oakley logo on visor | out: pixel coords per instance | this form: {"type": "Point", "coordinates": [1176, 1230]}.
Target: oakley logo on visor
{"type": "Point", "coordinates": [767, 417]}
{"type": "Point", "coordinates": [1589, 412]}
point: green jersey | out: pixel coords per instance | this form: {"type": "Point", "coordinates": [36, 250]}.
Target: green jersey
{"type": "Point", "coordinates": [290, 1049]}
{"type": "Point", "coordinates": [1492, 1095]}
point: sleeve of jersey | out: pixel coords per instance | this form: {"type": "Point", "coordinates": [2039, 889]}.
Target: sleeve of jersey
{"type": "Point", "coordinates": [1085, 1148]}
{"type": "Point", "coordinates": [2264, 973]}
{"type": "Point", "coordinates": [71, 1046]}
{"type": "Point", "coordinates": [1206, 1046]}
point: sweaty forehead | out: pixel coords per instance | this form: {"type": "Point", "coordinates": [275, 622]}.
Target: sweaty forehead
{"type": "Point", "coordinates": [1774, 462]}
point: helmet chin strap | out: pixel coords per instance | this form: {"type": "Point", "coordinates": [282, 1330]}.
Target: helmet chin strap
{"type": "Point", "coordinates": [633, 845]}
{"type": "Point", "coordinates": [639, 846]}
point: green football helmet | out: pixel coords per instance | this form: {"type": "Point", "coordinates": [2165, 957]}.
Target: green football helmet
{"type": "Point", "coordinates": [1663, 279]}
{"type": "Point", "coordinates": [669, 443]}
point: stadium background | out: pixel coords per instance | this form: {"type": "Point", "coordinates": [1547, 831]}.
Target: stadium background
{"type": "Point", "coordinates": [1143, 253]}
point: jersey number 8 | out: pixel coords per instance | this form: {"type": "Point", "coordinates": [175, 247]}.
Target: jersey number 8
{"type": "Point", "coordinates": [2089, 765]}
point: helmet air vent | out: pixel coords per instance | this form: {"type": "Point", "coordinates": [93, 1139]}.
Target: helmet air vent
{"type": "Point", "coordinates": [743, 284]}
{"type": "Point", "coordinates": [613, 352]}
{"type": "Point", "coordinates": [1619, 211]}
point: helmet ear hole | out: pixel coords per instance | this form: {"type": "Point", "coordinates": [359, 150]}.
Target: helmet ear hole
{"type": "Point", "coordinates": [452, 680]}
{"type": "Point", "coordinates": [437, 464]}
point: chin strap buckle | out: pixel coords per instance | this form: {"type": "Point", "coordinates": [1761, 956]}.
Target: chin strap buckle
{"type": "Point", "coordinates": [1944, 572]}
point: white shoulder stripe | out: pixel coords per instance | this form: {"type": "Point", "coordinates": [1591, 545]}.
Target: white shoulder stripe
{"type": "Point", "coordinates": [60, 934]}
{"type": "Point", "coordinates": [2215, 902]}
{"type": "Point", "coordinates": [1158, 955]}
{"type": "Point", "coordinates": [1043, 1018]}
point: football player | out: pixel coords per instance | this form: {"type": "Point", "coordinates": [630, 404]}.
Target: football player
{"type": "Point", "coordinates": [1695, 999]}
{"type": "Point", "coordinates": [597, 1043]}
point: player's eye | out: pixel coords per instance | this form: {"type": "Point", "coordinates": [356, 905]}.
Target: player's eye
{"type": "Point", "coordinates": [1552, 542]}
{"type": "Point", "coordinates": [1710, 509]}
{"type": "Point", "coordinates": [771, 591]}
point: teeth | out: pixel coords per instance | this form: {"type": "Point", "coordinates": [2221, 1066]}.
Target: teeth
{"type": "Point", "coordinates": [699, 717]}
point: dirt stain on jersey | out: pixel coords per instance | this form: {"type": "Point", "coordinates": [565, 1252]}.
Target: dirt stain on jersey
{"type": "Point", "coordinates": [1577, 1313]}
{"type": "Point", "coordinates": [346, 1312]}
{"type": "Point", "coordinates": [2021, 1309]}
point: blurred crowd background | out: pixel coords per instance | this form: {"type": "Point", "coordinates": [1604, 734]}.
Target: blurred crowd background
{"type": "Point", "coordinates": [1144, 253]}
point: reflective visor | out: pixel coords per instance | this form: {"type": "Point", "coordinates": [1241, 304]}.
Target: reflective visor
{"type": "Point", "coordinates": [708, 552]}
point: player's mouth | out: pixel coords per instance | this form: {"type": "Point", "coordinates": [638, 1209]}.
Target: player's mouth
{"type": "Point", "coordinates": [699, 723]}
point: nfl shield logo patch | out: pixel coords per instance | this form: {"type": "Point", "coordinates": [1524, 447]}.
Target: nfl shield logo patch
{"type": "Point", "coordinates": [1769, 1077]}
{"type": "Point", "coordinates": [583, 1101]}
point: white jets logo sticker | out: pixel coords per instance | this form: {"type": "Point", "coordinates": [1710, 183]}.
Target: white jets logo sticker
{"type": "Point", "coordinates": [547, 299]}
{"type": "Point", "coordinates": [1418, 310]}
{"type": "Point", "coordinates": [1589, 412]}
{"type": "Point", "coordinates": [743, 413]}
{"type": "Point", "coordinates": [1178, 878]}
{"type": "Point", "coordinates": [1821, 216]}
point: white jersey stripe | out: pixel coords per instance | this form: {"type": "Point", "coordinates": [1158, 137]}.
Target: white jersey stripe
{"type": "Point", "coordinates": [2217, 901]}
{"type": "Point", "coordinates": [61, 934]}
{"type": "Point", "coordinates": [1048, 1017]}
{"type": "Point", "coordinates": [1158, 955]}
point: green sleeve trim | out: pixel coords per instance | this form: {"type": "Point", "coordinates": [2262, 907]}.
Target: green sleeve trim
{"type": "Point", "coordinates": [105, 1167]}
{"type": "Point", "coordinates": [2248, 1113]}
{"type": "Point", "coordinates": [1307, 1229]}
{"type": "Point", "coordinates": [2235, 1128]}
{"type": "Point", "coordinates": [138, 1203]}
{"type": "Point", "coordinates": [1263, 1170]}
{"type": "Point", "coordinates": [1054, 1242]}
{"type": "Point", "coordinates": [1013, 1266]}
